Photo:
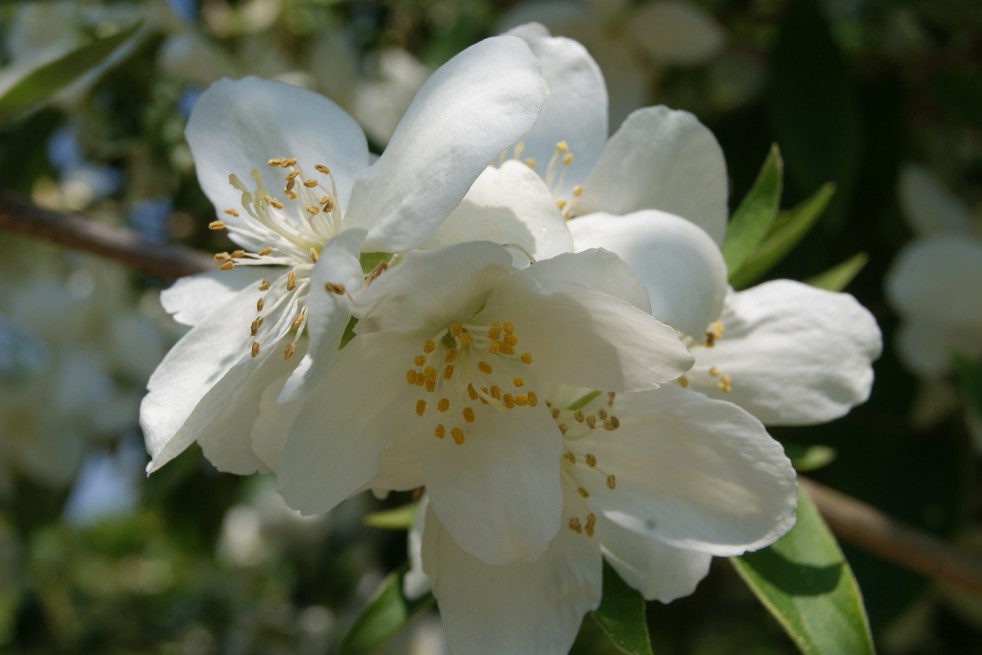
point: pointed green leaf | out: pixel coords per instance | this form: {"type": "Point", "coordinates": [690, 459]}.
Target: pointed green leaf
{"type": "Point", "coordinates": [397, 518]}
{"type": "Point", "coordinates": [839, 276]}
{"type": "Point", "coordinates": [385, 614]}
{"type": "Point", "coordinates": [44, 81]}
{"type": "Point", "coordinates": [789, 229]}
{"type": "Point", "coordinates": [809, 458]}
{"type": "Point", "coordinates": [805, 582]}
{"type": "Point", "coordinates": [621, 615]}
{"type": "Point", "coordinates": [752, 220]}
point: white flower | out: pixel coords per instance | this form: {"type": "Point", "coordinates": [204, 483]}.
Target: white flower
{"type": "Point", "coordinates": [288, 172]}
{"type": "Point", "coordinates": [447, 368]}
{"type": "Point", "coordinates": [633, 42]}
{"type": "Point", "coordinates": [933, 282]}
{"type": "Point", "coordinates": [656, 195]}
{"type": "Point", "coordinates": [654, 482]}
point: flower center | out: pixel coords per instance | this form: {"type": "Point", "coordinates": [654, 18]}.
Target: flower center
{"type": "Point", "coordinates": [466, 370]}
{"type": "Point", "coordinates": [287, 233]}
{"type": "Point", "coordinates": [583, 475]}
{"type": "Point", "coordinates": [711, 376]}
{"type": "Point", "coordinates": [554, 176]}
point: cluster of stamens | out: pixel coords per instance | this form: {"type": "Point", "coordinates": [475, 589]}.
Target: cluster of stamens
{"type": "Point", "coordinates": [555, 173]}
{"type": "Point", "coordinates": [294, 229]}
{"type": "Point", "coordinates": [575, 424]}
{"type": "Point", "coordinates": [723, 380]}
{"type": "Point", "coordinates": [466, 369]}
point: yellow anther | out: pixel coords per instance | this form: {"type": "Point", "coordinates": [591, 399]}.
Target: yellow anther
{"type": "Point", "coordinates": [232, 212]}
{"type": "Point", "coordinates": [420, 407]}
{"type": "Point", "coordinates": [440, 432]}
{"type": "Point", "coordinates": [495, 392]}
{"type": "Point", "coordinates": [216, 225]}
{"type": "Point", "coordinates": [510, 339]}
{"type": "Point", "coordinates": [506, 348]}
{"type": "Point", "coordinates": [429, 346]}
{"type": "Point", "coordinates": [577, 191]}
{"type": "Point", "coordinates": [288, 189]}
{"type": "Point", "coordinates": [275, 161]}
{"type": "Point", "coordinates": [591, 524]}
{"type": "Point", "coordinates": [508, 327]}
{"type": "Point", "coordinates": [530, 162]}
{"type": "Point", "coordinates": [579, 416]}
{"type": "Point", "coordinates": [458, 435]}
{"type": "Point", "coordinates": [289, 350]}
{"type": "Point", "coordinates": [583, 492]}
{"type": "Point", "coordinates": [611, 481]}
{"type": "Point", "coordinates": [328, 205]}
{"type": "Point", "coordinates": [612, 424]}
{"type": "Point", "coordinates": [448, 371]}
{"type": "Point", "coordinates": [297, 321]}
{"type": "Point", "coordinates": [714, 371]}
{"type": "Point", "coordinates": [494, 347]}
{"type": "Point", "coordinates": [683, 381]}
{"type": "Point", "coordinates": [610, 398]}
{"type": "Point", "coordinates": [260, 304]}
{"type": "Point", "coordinates": [561, 204]}
{"type": "Point", "coordinates": [561, 146]}
{"type": "Point", "coordinates": [591, 421]}
{"type": "Point", "coordinates": [567, 159]}
{"type": "Point", "coordinates": [555, 412]}
{"type": "Point", "coordinates": [419, 360]}
{"type": "Point", "coordinates": [431, 385]}
{"type": "Point", "coordinates": [429, 373]}
{"type": "Point", "coordinates": [265, 251]}
{"type": "Point", "coordinates": [468, 414]}
{"type": "Point", "coordinates": [725, 383]}
{"type": "Point", "coordinates": [321, 168]}
{"type": "Point", "coordinates": [591, 460]}
{"type": "Point", "coordinates": [310, 183]}
{"type": "Point", "coordinates": [443, 404]}
{"type": "Point", "coordinates": [222, 256]}
{"type": "Point", "coordinates": [472, 392]}
{"type": "Point", "coordinates": [336, 288]}
{"type": "Point", "coordinates": [291, 281]}
{"type": "Point", "coordinates": [292, 174]}
{"type": "Point", "coordinates": [494, 331]}
{"type": "Point", "coordinates": [465, 340]}
{"type": "Point", "coordinates": [450, 355]}
{"type": "Point", "coordinates": [508, 400]}
{"type": "Point", "coordinates": [276, 203]}
{"type": "Point", "coordinates": [227, 266]}
{"type": "Point", "coordinates": [574, 525]}
{"type": "Point", "coordinates": [526, 358]}
{"type": "Point", "coordinates": [313, 255]}
{"type": "Point", "coordinates": [602, 414]}
{"type": "Point", "coordinates": [570, 457]}
{"type": "Point", "coordinates": [484, 367]}
{"type": "Point", "coordinates": [456, 329]}
{"type": "Point", "coordinates": [411, 376]}
{"type": "Point", "coordinates": [237, 254]}
{"type": "Point", "coordinates": [518, 381]}
{"type": "Point", "coordinates": [255, 348]}
{"type": "Point", "coordinates": [563, 428]}
{"type": "Point", "coordinates": [312, 209]}
{"type": "Point", "coordinates": [522, 399]}
{"type": "Point", "coordinates": [254, 327]}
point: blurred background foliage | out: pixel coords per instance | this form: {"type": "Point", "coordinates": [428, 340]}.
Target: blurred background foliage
{"type": "Point", "coordinates": [96, 558]}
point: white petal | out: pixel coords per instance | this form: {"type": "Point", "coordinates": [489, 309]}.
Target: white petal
{"type": "Point", "coordinates": [533, 607]}
{"type": "Point", "coordinates": [936, 278]}
{"type": "Point", "coordinates": [416, 583]}
{"type": "Point", "coordinates": [192, 367]}
{"type": "Point", "coordinates": [400, 468]}
{"type": "Point", "coordinates": [472, 108]}
{"type": "Point", "coordinates": [238, 125]}
{"type": "Point", "coordinates": [658, 571]}
{"type": "Point", "coordinates": [575, 111]}
{"type": "Point", "coordinates": [586, 338]}
{"type": "Point", "coordinates": [432, 288]}
{"type": "Point", "coordinates": [328, 313]}
{"type": "Point", "coordinates": [498, 493]}
{"type": "Point", "coordinates": [661, 159]}
{"type": "Point", "coordinates": [508, 206]}
{"type": "Point", "coordinates": [692, 472]}
{"type": "Point", "coordinates": [682, 267]}
{"type": "Point", "coordinates": [192, 298]}
{"type": "Point", "coordinates": [598, 269]}
{"type": "Point", "coordinates": [927, 348]}
{"type": "Point", "coordinates": [356, 411]}
{"type": "Point", "coordinates": [796, 355]}
{"type": "Point", "coordinates": [271, 426]}
{"type": "Point", "coordinates": [929, 207]}
{"type": "Point", "coordinates": [676, 32]}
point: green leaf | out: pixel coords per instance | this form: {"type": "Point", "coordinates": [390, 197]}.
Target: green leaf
{"type": "Point", "coordinates": [398, 518]}
{"type": "Point", "coordinates": [805, 582]}
{"type": "Point", "coordinates": [621, 615]}
{"type": "Point", "coordinates": [371, 260]}
{"type": "Point", "coordinates": [839, 276]}
{"type": "Point", "coordinates": [813, 104]}
{"type": "Point", "coordinates": [789, 229]}
{"type": "Point", "coordinates": [46, 80]}
{"type": "Point", "coordinates": [752, 220]}
{"type": "Point", "coordinates": [809, 458]}
{"type": "Point", "coordinates": [385, 614]}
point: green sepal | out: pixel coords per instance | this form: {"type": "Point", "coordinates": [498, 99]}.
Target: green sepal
{"type": "Point", "coordinates": [753, 219]}
{"type": "Point", "coordinates": [841, 275]}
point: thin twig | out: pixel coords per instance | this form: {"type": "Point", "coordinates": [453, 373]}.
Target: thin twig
{"type": "Point", "coordinates": [164, 261]}
{"type": "Point", "coordinates": [865, 526]}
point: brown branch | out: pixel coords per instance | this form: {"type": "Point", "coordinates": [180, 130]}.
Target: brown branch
{"type": "Point", "coordinates": [868, 528]}
{"type": "Point", "coordinates": [23, 217]}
